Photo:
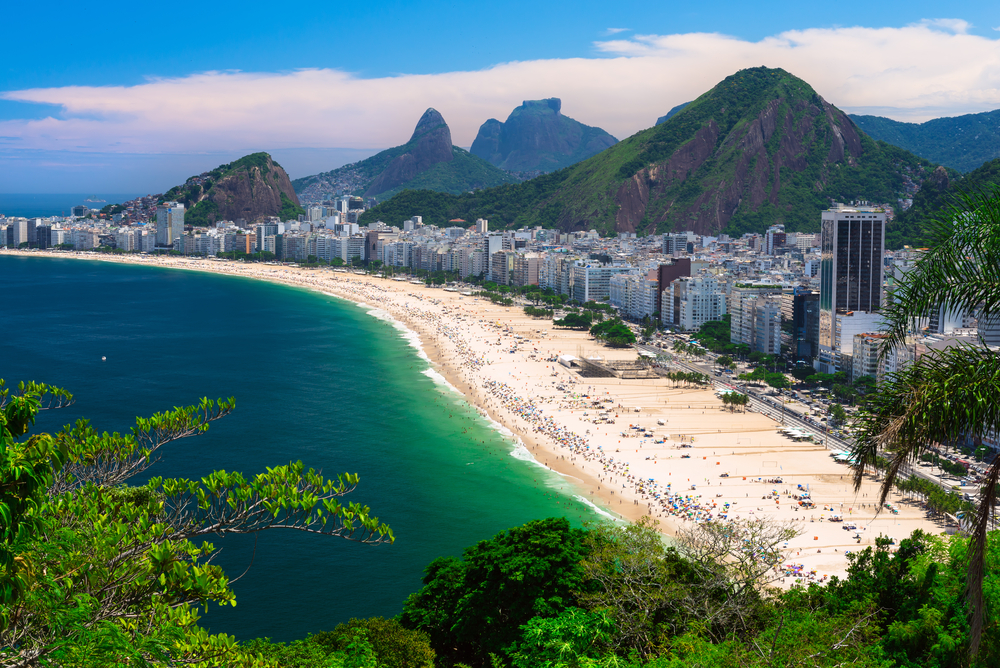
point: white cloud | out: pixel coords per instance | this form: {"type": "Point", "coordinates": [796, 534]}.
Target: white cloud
{"type": "Point", "coordinates": [957, 26]}
{"type": "Point", "coordinates": [920, 71]}
{"type": "Point", "coordinates": [615, 31]}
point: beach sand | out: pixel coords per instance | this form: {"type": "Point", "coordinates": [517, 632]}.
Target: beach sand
{"type": "Point", "coordinates": [503, 362]}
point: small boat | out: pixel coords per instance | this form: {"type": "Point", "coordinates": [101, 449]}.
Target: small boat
{"type": "Point", "coordinates": [103, 358]}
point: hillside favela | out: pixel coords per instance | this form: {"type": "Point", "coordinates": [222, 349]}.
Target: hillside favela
{"type": "Point", "coordinates": [656, 347]}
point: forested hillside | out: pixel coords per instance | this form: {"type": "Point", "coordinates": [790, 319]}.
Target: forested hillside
{"type": "Point", "coordinates": [963, 142]}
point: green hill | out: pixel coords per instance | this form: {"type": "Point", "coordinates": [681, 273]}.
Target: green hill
{"type": "Point", "coordinates": [962, 142]}
{"type": "Point", "coordinates": [761, 147]}
{"type": "Point", "coordinates": [253, 187]}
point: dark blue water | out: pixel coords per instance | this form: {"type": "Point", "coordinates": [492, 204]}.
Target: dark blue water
{"type": "Point", "coordinates": [315, 379]}
{"type": "Point", "coordinates": [60, 204]}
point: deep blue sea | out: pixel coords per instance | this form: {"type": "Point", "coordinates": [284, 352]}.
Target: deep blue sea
{"type": "Point", "coordinates": [45, 205]}
{"type": "Point", "coordinates": [315, 379]}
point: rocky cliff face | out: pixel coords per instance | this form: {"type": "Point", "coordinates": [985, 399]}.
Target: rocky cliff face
{"type": "Point", "coordinates": [250, 188]}
{"type": "Point", "coordinates": [536, 136]}
{"type": "Point", "coordinates": [429, 145]}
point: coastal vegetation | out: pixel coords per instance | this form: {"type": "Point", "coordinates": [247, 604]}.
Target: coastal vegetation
{"type": "Point", "coordinates": [950, 395]}
{"type": "Point", "coordinates": [95, 571]}
{"type": "Point", "coordinates": [613, 332]}
{"type": "Point", "coordinates": [733, 400]}
{"type": "Point", "coordinates": [549, 594]}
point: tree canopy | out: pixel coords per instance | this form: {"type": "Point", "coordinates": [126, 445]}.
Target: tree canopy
{"type": "Point", "coordinates": [96, 572]}
{"type": "Point", "coordinates": [948, 395]}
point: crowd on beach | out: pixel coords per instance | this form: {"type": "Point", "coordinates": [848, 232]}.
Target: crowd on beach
{"type": "Point", "coordinates": [514, 378]}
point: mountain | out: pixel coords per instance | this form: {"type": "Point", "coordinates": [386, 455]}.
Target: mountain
{"type": "Point", "coordinates": [933, 199]}
{"type": "Point", "coordinates": [252, 187]}
{"type": "Point", "coordinates": [537, 137]}
{"type": "Point", "coordinates": [427, 161]}
{"type": "Point", "coordinates": [761, 147]}
{"type": "Point", "coordinates": [670, 114]}
{"type": "Point", "coordinates": [961, 142]}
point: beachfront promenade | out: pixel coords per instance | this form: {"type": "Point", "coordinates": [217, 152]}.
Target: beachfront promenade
{"type": "Point", "coordinates": [681, 458]}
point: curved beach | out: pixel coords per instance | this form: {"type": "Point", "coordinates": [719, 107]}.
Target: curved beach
{"type": "Point", "coordinates": [692, 459]}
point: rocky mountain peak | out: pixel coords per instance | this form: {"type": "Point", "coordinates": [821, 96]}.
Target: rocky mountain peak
{"type": "Point", "coordinates": [429, 145]}
{"type": "Point", "coordinates": [553, 104]}
{"type": "Point", "coordinates": [536, 136]}
{"type": "Point", "coordinates": [430, 121]}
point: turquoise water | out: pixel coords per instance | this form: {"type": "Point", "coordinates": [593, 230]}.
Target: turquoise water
{"type": "Point", "coordinates": [315, 379]}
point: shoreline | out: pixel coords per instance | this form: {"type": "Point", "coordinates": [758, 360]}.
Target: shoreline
{"type": "Point", "coordinates": [506, 371]}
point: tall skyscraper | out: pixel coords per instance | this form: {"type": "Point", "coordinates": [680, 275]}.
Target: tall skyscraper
{"type": "Point", "coordinates": [851, 273]}
{"type": "Point", "coordinates": [169, 224]}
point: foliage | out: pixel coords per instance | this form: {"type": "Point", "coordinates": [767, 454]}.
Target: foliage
{"type": "Point", "coordinates": [703, 600]}
{"type": "Point", "coordinates": [688, 378]}
{"type": "Point", "coordinates": [960, 142]}
{"type": "Point", "coordinates": [308, 653]}
{"type": "Point", "coordinates": [613, 332]}
{"type": "Point", "coordinates": [777, 380]}
{"type": "Point", "coordinates": [538, 312]}
{"type": "Point", "coordinates": [732, 400]}
{"type": "Point", "coordinates": [937, 196]}
{"type": "Point", "coordinates": [474, 606]}
{"type": "Point", "coordinates": [93, 572]}
{"type": "Point", "coordinates": [394, 645]}
{"type": "Point", "coordinates": [289, 209]}
{"type": "Point", "coordinates": [824, 379]}
{"type": "Point", "coordinates": [649, 591]}
{"type": "Point", "coordinates": [715, 334]}
{"type": "Point", "coordinates": [948, 395]}
{"type": "Point", "coordinates": [574, 321]}
{"type": "Point", "coordinates": [838, 413]}
{"type": "Point", "coordinates": [574, 639]}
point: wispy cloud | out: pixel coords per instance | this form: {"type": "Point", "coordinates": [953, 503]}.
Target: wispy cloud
{"type": "Point", "coordinates": [957, 26]}
{"type": "Point", "coordinates": [615, 31]}
{"type": "Point", "coordinates": [932, 68]}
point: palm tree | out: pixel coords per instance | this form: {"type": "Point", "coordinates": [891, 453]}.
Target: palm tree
{"type": "Point", "coordinates": [951, 395]}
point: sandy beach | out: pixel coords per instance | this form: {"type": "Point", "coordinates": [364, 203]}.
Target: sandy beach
{"type": "Point", "coordinates": [681, 458]}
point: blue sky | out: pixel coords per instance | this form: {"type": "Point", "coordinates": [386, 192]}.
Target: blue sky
{"type": "Point", "coordinates": [82, 85]}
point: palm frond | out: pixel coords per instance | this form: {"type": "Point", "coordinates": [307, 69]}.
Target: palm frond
{"type": "Point", "coordinates": [948, 396]}
{"type": "Point", "coordinates": [960, 271]}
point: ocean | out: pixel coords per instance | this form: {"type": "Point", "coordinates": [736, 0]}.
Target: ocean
{"type": "Point", "coordinates": [315, 379]}
{"type": "Point", "coordinates": [60, 204]}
